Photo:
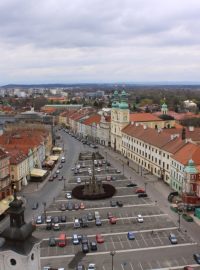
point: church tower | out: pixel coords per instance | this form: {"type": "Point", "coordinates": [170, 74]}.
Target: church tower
{"type": "Point", "coordinates": [119, 119]}
{"type": "Point", "coordinates": [164, 108]}
{"type": "Point", "coordinates": [18, 248]}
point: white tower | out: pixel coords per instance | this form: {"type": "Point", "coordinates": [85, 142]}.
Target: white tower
{"type": "Point", "coordinates": [19, 250]}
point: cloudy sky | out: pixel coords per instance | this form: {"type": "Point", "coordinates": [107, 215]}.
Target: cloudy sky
{"type": "Point", "coordinates": [73, 41]}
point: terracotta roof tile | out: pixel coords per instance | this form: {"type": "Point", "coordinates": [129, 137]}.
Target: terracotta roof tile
{"type": "Point", "coordinates": [92, 119]}
{"type": "Point", "coordinates": [187, 152]}
{"type": "Point", "coordinates": [143, 117]}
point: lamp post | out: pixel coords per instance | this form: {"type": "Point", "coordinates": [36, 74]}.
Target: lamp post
{"type": "Point", "coordinates": [64, 187]}
{"type": "Point", "coordinates": [145, 187]}
{"type": "Point", "coordinates": [112, 253]}
{"type": "Point", "coordinates": [179, 220]}
{"type": "Point", "coordinates": [123, 168]}
{"type": "Point", "coordinates": [45, 214]}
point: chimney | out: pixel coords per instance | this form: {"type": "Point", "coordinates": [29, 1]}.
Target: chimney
{"type": "Point", "coordinates": [183, 135]}
{"type": "Point", "coordinates": [132, 123]}
{"type": "Point", "coordinates": [145, 127]}
{"type": "Point", "coordinates": [136, 124]}
{"type": "Point", "coordinates": [191, 128]}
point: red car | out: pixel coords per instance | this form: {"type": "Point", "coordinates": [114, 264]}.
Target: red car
{"type": "Point", "coordinates": [99, 239]}
{"type": "Point", "coordinates": [140, 190]}
{"type": "Point", "coordinates": [113, 220]}
{"type": "Point", "coordinates": [82, 206]}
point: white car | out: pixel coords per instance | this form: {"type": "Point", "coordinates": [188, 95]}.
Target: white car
{"type": "Point", "coordinates": [92, 266]}
{"type": "Point", "coordinates": [77, 223]}
{"type": "Point", "coordinates": [75, 239]}
{"type": "Point", "coordinates": [140, 219]}
{"type": "Point", "coordinates": [57, 172]}
{"type": "Point", "coordinates": [39, 220]}
{"type": "Point", "coordinates": [98, 169]}
{"type": "Point", "coordinates": [78, 180]}
{"type": "Point", "coordinates": [48, 219]}
{"type": "Point", "coordinates": [68, 195]}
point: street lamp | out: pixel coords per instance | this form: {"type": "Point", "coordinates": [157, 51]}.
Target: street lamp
{"type": "Point", "coordinates": [45, 213]}
{"type": "Point", "coordinates": [123, 168]}
{"type": "Point", "coordinates": [64, 187]}
{"type": "Point", "coordinates": [145, 187]}
{"type": "Point", "coordinates": [112, 253]}
{"type": "Point", "coordinates": [179, 219]}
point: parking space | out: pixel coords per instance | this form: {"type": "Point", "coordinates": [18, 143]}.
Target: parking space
{"type": "Point", "coordinates": [152, 234]}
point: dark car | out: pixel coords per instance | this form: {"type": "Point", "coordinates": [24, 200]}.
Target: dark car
{"type": "Point", "coordinates": [90, 216]}
{"type": "Point", "coordinates": [60, 178]}
{"type": "Point", "coordinates": [93, 245]}
{"type": "Point", "coordinates": [56, 219]}
{"type": "Point", "coordinates": [98, 222]}
{"type": "Point", "coordinates": [83, 222]}
{"type": "Point", "coordinates": [49, 226]}
{"type": "Point", "coordinates": [85, 248]}
{"type": "Point", "coordinates": [113, 203]}
{"type": "Point", "coordinates": [84, 239]}
{"type": "Point", "coordinates": [51, 179]}
{"type": "Point", "coordinates": [63, 218]}
{"type": "Point", "coordinates": [35, 206]}
{"type": "Point", "coordinates": [70, 206]}
{"type": "Point", "coordinates": [60, 166]}
{"type": "Point", "coordinates": [142, 195]}
{"type": "Point", "coordinates": [197, 257]}
{"type": "Point", "coordinates": [131, 185]}
{"type": "Point", "coordinates": [52, 242]}
{"type": "Point", "coordinates": [119, 203]}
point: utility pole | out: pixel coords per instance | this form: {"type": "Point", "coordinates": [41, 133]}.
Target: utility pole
{"type": "Point", "coordinates": [112, 253]}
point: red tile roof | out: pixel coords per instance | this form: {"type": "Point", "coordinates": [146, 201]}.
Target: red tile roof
{"type": "Point", "coordinates": [92, 119]}
{"type": "Point", "coordinates": [187, 152]}
{"type": "Point", "coordinates": [143, 117]}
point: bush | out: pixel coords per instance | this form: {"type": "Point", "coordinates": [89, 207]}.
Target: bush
{"type": "Point", "coordinates": [187, 218]}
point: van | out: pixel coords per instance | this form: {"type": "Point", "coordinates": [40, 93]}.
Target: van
{"type": "Point", "coordinates": [96, 214]}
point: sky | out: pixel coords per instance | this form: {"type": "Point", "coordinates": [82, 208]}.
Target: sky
{"type": "Point", "coordinates": [87, 41]}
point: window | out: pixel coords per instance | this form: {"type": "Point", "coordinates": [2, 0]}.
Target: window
{"type": "Point", "coordinates": [13, 262]}
{"type": "Point", "coordinates": [32, 256]}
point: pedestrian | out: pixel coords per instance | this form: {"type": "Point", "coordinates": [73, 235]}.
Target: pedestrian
{"type": "Point", "coordinates": [152, 232]}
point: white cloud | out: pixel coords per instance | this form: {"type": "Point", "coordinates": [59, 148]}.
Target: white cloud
{"type": "Point", "coordinates": [94, 40]}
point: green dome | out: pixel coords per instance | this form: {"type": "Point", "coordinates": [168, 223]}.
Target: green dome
{"type": "Point", "coordinates": [190, 168]}
{"type": "Point", "coordinates": [115, 104]}
{"type": "Point", "coordinates": [123, 105]}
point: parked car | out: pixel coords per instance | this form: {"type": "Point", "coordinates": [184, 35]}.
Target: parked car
{"type": "Point", "coordinates": [60, 166]}
{"type": "Point", "coordinates": [80, 266]}
{"type": "Point", "coordinates": [118, 171]}
{"type": "Point", "coordinates": [108, 178]}
{"type": "Point", "coordinates": [57, 172]}
{"type": "Point", "coordinates": [85, 248]}
{"type": "Point", "coordinates": [131, 235]}
{"type": "Point", "coordinates": [90, 216]}
{"type": "Point", "coordinates": [139, 190]}
{"type": "Point", "coordinates": [84, 239]}
{"type": "Point", "coordinates": [62, 207]}
{"type": "Point", "coordinates": [77, 223]}
{"type": "Point", "coordinates": [76, 206]}
{"type": "Point", "coordinates": [119, 203]}
{"type": "Point", "coordinates": [83, 222]}
{"type": "Point", "coordinates": [140, 219]}
{"type": "Point", "coordinates": [51, 178]}
{"type": "Point", "coordinates": [131, 184]}
{"type": "Point", "coordinates": [142, 195]}
{"type": "Point", "coordinates": [48, 219]}
{"type": "Point", "coordinates": [63, 218]}
{"type": "Point", "coordinates": [56, 227]}
{"type": "Point", "coordinates": [55, 175]}
{"type": "Point", "coordinates": [91, 266]}
{"type": "Point", "coordinates": [52, 242]}
{"type": "Point", "coordinates": [113, 220]}
{"type": "Point", "coordinates": [99, 239]}
{"type": "Point", "coordinates": [70, 206]}
{"type": "Point", "coordinates": [197, 257]}
{"type": "Point", "coordinates": [75, 239]}
{"type": "Point", "coordinates": [82, 205]}
{"type": "Point", "coordinates": [93, 245]}
{"type": "Point", "coordinates": [78, 180]}
{"type": "Point", "coordinates": [109, 215]}
{"type": "Point", "coordinates": [98, 222]}
{"type": "Point", "coordinates": [39, 220]}
{"type": "Point", "coordinates": [172, 238]}
{"type": "Point", "coordinates": [68, 195]}
{"type": "Point", "coordinates": [55, 219]}
{"type": "Point", "coordinates": [48, 226]}
{"type": "Point", "coordinates": [35, 206]}
{"type": "Point", "coordinates": [113, 203]}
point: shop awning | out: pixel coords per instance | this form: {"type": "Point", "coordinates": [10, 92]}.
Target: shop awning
{"type": "Point", "coordinates": [38, 172]}
{"type": "Point", "coordinates": [54, 158]}
{"type": "Point", "coordinates": [4, 204]}
{"type": "Point", "coordinates": [59, 149]}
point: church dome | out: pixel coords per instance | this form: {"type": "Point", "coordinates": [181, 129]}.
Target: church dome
{"type": "Point", "coordinates": [123, 105]}
{"type": "Point", "coordinates": [115, 104]}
